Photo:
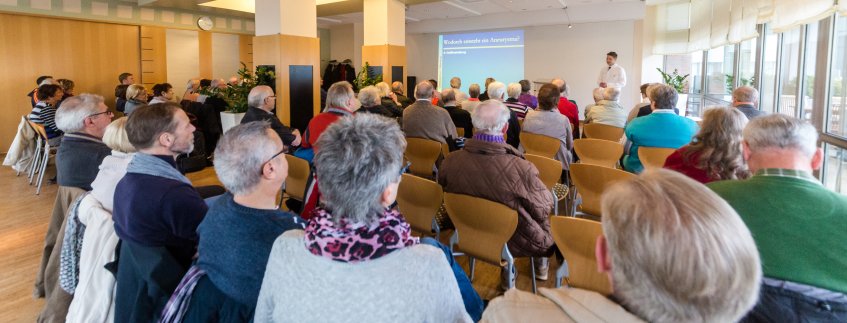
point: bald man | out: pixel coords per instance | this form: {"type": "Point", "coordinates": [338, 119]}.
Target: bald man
{"type": "Point", "coordinates": [746, 99]}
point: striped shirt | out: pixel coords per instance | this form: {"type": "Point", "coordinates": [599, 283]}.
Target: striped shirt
{"type": "Point", "coordinates": [519, 108]}
{"type": "Point", "coordinates": [781, 172]}
{"type": "Point", "coordinates": [45, 115]}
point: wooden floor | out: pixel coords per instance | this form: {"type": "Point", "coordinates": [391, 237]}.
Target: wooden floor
{"type": "Point", "coordinates": [23, 223]}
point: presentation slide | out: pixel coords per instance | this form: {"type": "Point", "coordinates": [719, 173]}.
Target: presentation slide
{"type": "Point", "coordinates": [475, 56]}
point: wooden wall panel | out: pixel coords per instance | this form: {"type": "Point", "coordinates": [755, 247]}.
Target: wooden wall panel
{"type": "Point", "coordinates": [154, 66]}
{"type": "Point", "coordinates": [386, 56]}
{"type": "Point", "coordinates": [245, 50]}
{"type": "Point", "coordinates": [91, 54]}
{"type": "Point", "coordinates": [205, 50]}
{"type": "Point", "coordinates": [283, 51]}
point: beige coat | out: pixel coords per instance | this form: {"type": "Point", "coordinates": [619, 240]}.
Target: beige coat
{"type": "Point", "coordinates": [22, 149]}
{"type": "Point", "coordinates": [562, 305]}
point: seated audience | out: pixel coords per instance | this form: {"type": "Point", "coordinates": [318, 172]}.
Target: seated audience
{"type": "Point", "coordinates": [484, 95]}
{"type": "Point", "coordinates": [157, 214]}
{"type": "Point", "coordinates": [715, 151]}
{"type": "Point", "coordinates": [798, 224]}
{"type": "Point", "coordinates": [473, 98]}
{"type": "Point", "coordinates": [262, 102]}
{"type": "Point", "coordinates": [44, 112]}
{"type": "Point", "coordinates": [371, 102]}
{"type": "Point", "coordinates": [663, 128]}
{"type": "Point", "coordinates": [67, 90]}
{"type": "Point", "coordinates": [489, 168]}
{"type": "Point", "coordinates": [120, 97]}
{"type": "Point", "coordinates": [94, 292]}
{"type": "Point", "coordinates": [162, 93]}
{"type": "Point", "coordinates": [461, 118]}
{"type": "Point", "coordinates": [339, 103]}
{"type": "Point", "coordinates": [191, 89]}
{"type": "Point", "coordinates": [456, 85]}
{"type": "Point", "coordinates": [648, 109]}
{"type": "Point", "coordinates": [397, 89]}
{"type": "Point", "coordinates": [389, 100]}
{"type": "Point", "coordinates": [41, 80]}
{"type": "Point", "coordinates": [566, 107]}
{"type": "Point", "coordinates": [136, 96]}
{"type": "Point", "coordinates": [356, 245]}
{"type": "Point", "coordinates": [436, 96]}
{"type": "Point", "coordinates": [645, 102]}
{"type": "Point", "coordinates": [547, 121]}
{"type": "Point", "coordinates": [497, 91]}
{"type": "Point", "coordinates": [673, 252]}
{"type": "Point", "coordinates": [527, 98]}
{"type": "Point", "coordinates": [234, 266]}
{"type": "Point", "coordinates": [84, 118]}
{"type": "Point", "coordinates": [422, 119]}
{"type": "Point", "coordinates": [520, 109]}
{"type": "Point", "coordinates": [608, 111]}
{"type": "Point", "coordinates": [746, 100]}
{"type": "Point", "coordinates": [126, 79]}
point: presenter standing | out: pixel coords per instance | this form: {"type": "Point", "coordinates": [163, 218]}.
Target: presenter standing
{"type": "Point", "coordinates": [612, 75]}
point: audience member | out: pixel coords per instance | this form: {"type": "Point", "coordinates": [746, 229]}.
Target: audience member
{"type": "Point", "coordinates": [389, 100]}
{"type": "Point", "coordinates": [513, 92]}
{"type": "Point", "coordinates": [67, 90]}
{"type": "Point", "coordinates": [83, 118]}
{"type": "Point", "coordinates": [547, 121]}
{"type": "Point", "coordinates": [234, 266]}
{"type": "Point", "coordinates": [473, 98]}
{"type": "Point", "coordinates": [798, 224]}
{"type": "Point", "coordinates": [113, 167]}
{"type": "Point", "coordinates": [157, 215]}
{"type": "Point", "coordinates": [489, 168]}
{"type": "Point", "coordinates": [461, 118]}
{"type": "Point", "coordinates": [456, 85]}
{"type": "Point", "coordinates": [566, 107]}
{"type": "Point", "coordinates": [746, 99]}
{"type": "Point", "coordinates": [126, 79]}
{"type": "Point", "coordinates": [339, 103]}
{"type": "Point", "coordinates": [44, 112]}
{"type": "Point", "coordinates": [397, 89]}
{"type": "Point", "coordinates": [484, 95]}
{"type": "Point", "coordinates": [648, 109]}
{"type": "Point", "coordinates": [673, 252]}
{"type": "Point", "coordinates": [41, 80]}
{"type": "Point", "coordinates": [356, 245]}
{"type": "Point", "coordinates": [261, 102]}
{"type": "Point", "coordinates": [162, 93]}
{"type": "Point", "coordinates": [136, 96]}
{"type": "Point", "coordinates": [191, 89]}
{"type": "Point", "coordinates": [527, 98]}
{"type": "Point", "coordinates": [233, 81]}
{"type": "Point", "coordinates": [662, 128]}
{"type": "Point", "coordinates": [436, 96]}
{"type": "Point", "coordinates": [608, 111]}
{"type": "Point", "coordinates": [497, 92]}
{"type": "Point", "coordinates": [715, 152]}
{"type": "Point", "coordinates": [120, 97]}
{"type": "Point", "coordinates": [645, 102]}
{"type": "Point", "coordinates": [422, 119]}
{"type": "Point", "coordinates": [371, 103]}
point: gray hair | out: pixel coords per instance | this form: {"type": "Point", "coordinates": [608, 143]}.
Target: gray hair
{"type": "Point", "coordinates": [257, 96]}
{"type": "Point", "coordinates": [397, 86]}
{"type": "Point", "coordinates": [779, 131]}
{"type": "Point", "coordinates": [239, 165]}
{"type": "Point", "coordinates": [611, 93]}
{"type": "Point", "coordinates": [423, 90]}
{"type": "Point", "coordinates": [455, 82]}
{"type": "Point", "coordinates": [746, 94]}
{"type": "Point", "coordinates": [713, 276]}
{"type": "Point", "coordinates": [514, 90]}
{"type": "Point", "coordinates": [448, 95]}
{"type": "Point", "coordinates": [369, 96]}
{"type": "Point", "coordinates": [490, 117]}
{"type": "Point", "coordinates": [72, 113]}
{"type": "Point", "coordinates": [384, 89]}
{"type": "Point", "coordinates": [662, 96]}
{"type": "Point", "coordinates": [358, 157]}
{"type": "Point", "coordinates": [496, 90]}
{"type": "Point", "coordinates": [473, 91]}
{"type": "Point", "coordinates": [598, 94]}
{"type": "Point", "coordinates": [562, 85]}
{"type": "Point", "coordinates": [339, 94]}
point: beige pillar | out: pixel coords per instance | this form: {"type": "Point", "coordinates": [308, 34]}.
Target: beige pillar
{"type": "Point", "coordinates": [385, 37]}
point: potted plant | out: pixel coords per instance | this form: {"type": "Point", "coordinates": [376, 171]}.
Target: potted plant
{"type": "Point", "coordinates": [364, 77]}
{"type": "Point", "coordinates": [236, 95]}
{"type": "Point", "coordinates": [678, 83]}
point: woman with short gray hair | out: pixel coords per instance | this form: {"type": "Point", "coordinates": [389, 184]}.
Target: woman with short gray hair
{"type": "Point", "coordinates": [355, 244]}
{"type": "Point", "coordinates": [371, 102]}
{"type": "Point", "coordinates": [514, 92]}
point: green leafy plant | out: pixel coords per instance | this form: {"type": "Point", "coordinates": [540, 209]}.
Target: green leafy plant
{"type": "Point", "coordinates": [235, 96]}
{"type": "Point", "coordinates": [674, 80]}
{"type": "Point", "coordinates": [363, 78]}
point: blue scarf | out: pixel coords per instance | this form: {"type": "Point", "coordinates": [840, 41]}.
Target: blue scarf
{"type": "Point", "coordinates": [151, 165]}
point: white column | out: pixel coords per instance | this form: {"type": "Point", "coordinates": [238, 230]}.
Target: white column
{"type": "Point", "coordinates": [385, 22]}
{"type": "Point", "coordinates": [287, 17]}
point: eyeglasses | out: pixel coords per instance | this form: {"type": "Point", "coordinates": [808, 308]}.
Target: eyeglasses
{"type": "Point", "coordinates": [272, 158]}
{"type": "Point", "coordinates": [97, 114]}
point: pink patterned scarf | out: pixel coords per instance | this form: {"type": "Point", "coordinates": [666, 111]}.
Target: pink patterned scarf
{"type": "Point", "coordinates": [354, 242]}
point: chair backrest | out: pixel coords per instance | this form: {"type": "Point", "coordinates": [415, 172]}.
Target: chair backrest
{"type": "Point", "coordinates": [39, 129]}
{"type": "Point", "coordinates": [602, 131]}
{"type": "Point", "coordinates": [460, 132]}
{"type": "Point", "coordinates": [539, 144]}
{"type": "Point", "coordinates": [549, 170]}
{"type": "Point", "coordinates": [422, 153]}
{"type": "Point", "coordinates": [598, 152]}
{"type": "Point", "coordinates": [419, 200]}
{"type": "Point", "coordinates": [298, 177]}
{"type": "Point", "coordinates": [576, 239]}
{"type": "Point", "coordinates": [483, 226]}
{"type": "Point", "coordinates": [592, 180]}
{"type": "Point", "coordinates": [654, 157]}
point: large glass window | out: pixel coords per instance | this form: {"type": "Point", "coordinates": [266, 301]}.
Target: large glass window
{"type": "Point", "coordinates": [768, 73]}
{"type": "Point", "coordinates": [838, 80]}
{"type": "Point", "coordinates": [788, 72]}
{"type": "Point", "coordinates": [835, 168]}
{"type": "Point", "coordinates": [747, 63]}
{"type": "Point", "coordinates": [719, 72]}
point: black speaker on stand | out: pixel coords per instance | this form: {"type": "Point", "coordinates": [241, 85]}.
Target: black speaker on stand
{"type": "Point", "coordinates": [411, 81]}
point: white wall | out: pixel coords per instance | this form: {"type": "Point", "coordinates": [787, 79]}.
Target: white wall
{"type": "Point", "coordinates": [575, 54]}
{"type": "Point", "coordinates": [346, 43]}
{"type": "Point", "coordinates": [183, 53]}
{"type": "Point", "coordinates": [224, 55]}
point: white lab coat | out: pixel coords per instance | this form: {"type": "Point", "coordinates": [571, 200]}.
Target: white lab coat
{"type": "Point", "coordinates": [614, 76]}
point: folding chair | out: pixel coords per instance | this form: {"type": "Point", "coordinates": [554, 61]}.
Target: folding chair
{"type": "Point", "coordinates": [576, 239]}
{"type": "Point", "coordinates": [602, 131]}
{"type": "Point", "coordinates": [419, 200]}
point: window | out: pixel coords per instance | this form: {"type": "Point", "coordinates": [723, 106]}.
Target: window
{"type": "Point", "coordinates": [810, 58]}
{"type": "Point", "coordinates": [788, 72]}
{"type": "Point", "coordinates": [835, 168]}
{"type": "Point", "coordinates": [719, 72]}
{"type": "Point", "coordinates": [768, 73]}
{"type": "Point", "coordinates": [747, 63]}
{"type": "Point", "coordinates": [835, 124]}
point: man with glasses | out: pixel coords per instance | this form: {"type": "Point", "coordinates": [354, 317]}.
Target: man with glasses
{"type": "Point", "coordinates": [262, 101]}
{"type": "Point", "coordinates": [83, 118]}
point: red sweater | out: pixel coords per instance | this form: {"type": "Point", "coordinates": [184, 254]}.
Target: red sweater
{"type": "Point", "coordinates": [319, 123]}
{"type": "Point", "coordinates": [687, 166]}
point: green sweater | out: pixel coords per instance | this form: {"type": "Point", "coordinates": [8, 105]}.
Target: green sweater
{"type": "Point", "coordinates": [799, 226]}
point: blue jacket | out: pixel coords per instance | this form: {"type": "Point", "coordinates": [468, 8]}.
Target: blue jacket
{"type": "Point", "coordinates": [662, 129]}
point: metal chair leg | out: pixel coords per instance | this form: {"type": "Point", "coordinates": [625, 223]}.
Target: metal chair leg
{"type": "Point", "coordinates": [532, 265]}
{"type": "Point", "coordinates": [36, 159]}
{"type": "Point", "coordinates": [512, 273]}
{"type": "Point", "coordinates": [43, 169]}
{"type": "Point", "coordinates": [555, 203]}
{"type": "Point", "coordinates": [562, 272]}
{"type": "Point", "coordinates": [472, 262]}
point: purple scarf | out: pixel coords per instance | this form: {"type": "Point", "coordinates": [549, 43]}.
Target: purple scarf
{"type": "Point", "coordinates": [355, 242]}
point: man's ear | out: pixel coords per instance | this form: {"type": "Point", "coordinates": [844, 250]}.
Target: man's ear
{"type": "Point", "coordinates": [817, 159]}
{"type": "Point", "coordinates": [166, 139]}
{"type": "Point", "coordinates": [745, 150]}
{"type": "Point", "coordinates": [601, 252]}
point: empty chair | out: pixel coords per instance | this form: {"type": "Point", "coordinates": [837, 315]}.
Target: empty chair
{"type": "Point", "coordinates": [419, 200]}
{"type": "Point", "coordinates": [482, 229]}
{"type": "Point", "coordinates": [602, 131]}
{"type": "Point", "coordinates": [422, 153]}
{"type": "Point", "coordinates": [549, 171]}
{"type": "Point", "coordinates": [591, 180]}
{"type": "Point", "coordinates": [598, 152]}
{"type": "Point", "coordinates": [540, 145]}
{"type": "Point", "coordinates": [654, 157]}
{"type": "Point", "coordinates": [298, 176]}
{"type": "Point", "coordinates": [576, 239]}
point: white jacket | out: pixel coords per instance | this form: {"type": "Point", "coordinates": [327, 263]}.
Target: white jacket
{"type": "Point", "coordinates": [94, 295]}
{"type": "Point", "coordinates": [614, 76]}
{"type": "Point", "coordinates": [23, 148]}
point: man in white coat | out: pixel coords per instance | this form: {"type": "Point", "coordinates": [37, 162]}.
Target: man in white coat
{"type": "Point", "coordinates": [612, 75]}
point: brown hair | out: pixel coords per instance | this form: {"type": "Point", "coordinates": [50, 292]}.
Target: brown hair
{"type": "Point", "coordinates": [47, 91]}
{"type": "Point", "coordinates": [148, 122]}
{"type": "Point", "coordinates": [548, 97]}
{"type": "Point", "coordinates": [718, 144]}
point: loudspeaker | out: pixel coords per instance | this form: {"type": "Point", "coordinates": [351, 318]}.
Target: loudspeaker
{"type": "Point", "coordinates": [411, 81]}
{"type": "Point", "coordinates": [302, 95]}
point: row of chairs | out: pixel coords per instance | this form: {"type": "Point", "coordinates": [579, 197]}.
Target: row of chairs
{"type": "Point", "coordinates": [43, 152]}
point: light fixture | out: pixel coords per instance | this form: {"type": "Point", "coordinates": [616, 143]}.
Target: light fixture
{"type": "Point", "coordinates": [248, 6]}
{"type": "Point", "coordinates": [567, 14]}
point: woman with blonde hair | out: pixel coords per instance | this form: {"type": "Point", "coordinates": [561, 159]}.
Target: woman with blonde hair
{"type": "Point", "coordinates": [715, 152]}
{"type": "Point", "coordinates": [114, 166]}
{"type": "Point", "coordinates": [136, 96]}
